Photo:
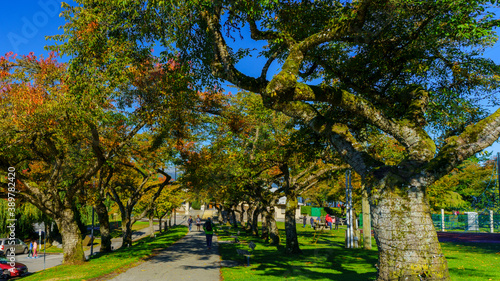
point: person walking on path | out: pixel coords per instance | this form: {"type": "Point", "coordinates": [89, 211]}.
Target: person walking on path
{"type": "Point", "coordinates": [312, 222]}
{"type": "Point", "coordinates": [35, 254]}
{"type": "Point", "coordinates": [337, 219]}
{"type": "Point", "coordinates": [304, 221]}
{"type": "Point", "coordinates": [208, 227]}
{"type": "Point", "coordinates": [198, 222]}
{"type": "Point", "coordinates": [30, 250]}
{"type": "Point", "coordinates": [190, 222]}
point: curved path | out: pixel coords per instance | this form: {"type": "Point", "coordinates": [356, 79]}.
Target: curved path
{"type": "Point", "coordinates": [187, 259]}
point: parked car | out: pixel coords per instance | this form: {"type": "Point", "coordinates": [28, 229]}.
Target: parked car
{"type": "Point", "coordinates": [20, 247]}
{"type": "Point", "coordinates": [7, 271]}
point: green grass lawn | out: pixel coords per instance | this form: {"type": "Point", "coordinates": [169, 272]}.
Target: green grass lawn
{"type": "Point", "coordinates": [325, 258]}
{"type": "Point", "coordinates": [118, 260]}
{"type": "Point", "coordinates": [136, 226]}
{"type": "Point", "coordinates": [472, 261]}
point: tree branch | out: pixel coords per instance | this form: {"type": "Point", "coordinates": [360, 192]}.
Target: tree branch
{"type": "Point", "coordinates": [475, 138]}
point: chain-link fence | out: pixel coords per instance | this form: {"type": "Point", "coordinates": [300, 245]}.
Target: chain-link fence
{"type": "Point", "coordinates": [471, 222]}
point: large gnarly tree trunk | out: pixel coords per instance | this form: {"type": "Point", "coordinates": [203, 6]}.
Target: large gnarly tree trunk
{"type": "Point", "coordinates": [292, 242]}
{"type": "Point", "coordinates": [71, 236]}
{"type": "Point", "coordinates": [405, 236]}
{"type": "Point", "coordinates": [104, 229]}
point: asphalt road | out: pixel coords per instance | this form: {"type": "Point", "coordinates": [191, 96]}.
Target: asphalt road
{"type": "Point", "coordinates": [37, 264]}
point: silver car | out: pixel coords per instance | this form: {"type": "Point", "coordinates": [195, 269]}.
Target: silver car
{"type": "Point", "coordinates": [20, 247]}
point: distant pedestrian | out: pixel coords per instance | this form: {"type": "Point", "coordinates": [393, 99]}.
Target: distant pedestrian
{"type": "Point", "coordinates": [208, 227]}
{"type": "Point", "coordinates": [304, 221]}
{"type": "Point", "coordinates": [328, 220]}
{"type": "Point", "coordinates": [312, 222]}
{"type": "Point", "coordinates": [198, 222]}
{"type": "Point", "coordinates": [190, 222]}
{"type": "Point", "coordinates": [337, 221]}
{"type": "Point", "coordinates": [35, 254]}
{"type": "Point", "coordinates": [30, 250]}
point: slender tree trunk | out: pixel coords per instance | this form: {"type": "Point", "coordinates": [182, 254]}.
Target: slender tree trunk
{"type": "Point", "coordinates": [233, 218]}
{"type": "Point", "coordinates": [405, 235]}
{"type": "Point", "coordinates": [255, 221]}
{"type": "Point", "coordinates": [103, 217]}
{"type": "Point", "coordinates": [242, 214]}
{"type": "Point", "coordinates": [219, 213]}
{"type": "Point", "coordinates": [126, 231]}
{"type": "Point", "coordinates": [71, 237]}
{"type": "Point", "coordinates": [292, 242]}
{"type": "Point", "coordinates": [160, 225]}
{"type": "Point", "coordinates": [273, 227]}
{"type": "Point", "coordinates": [248, 225]}
{"type": "Point", "coordinates": [170, 221]}
{"type": "Point", "coordinates": [265, 227]}
{"type": "Point", "coordinates": [151, 225]}
{"type": "Point", "coordinates": [367, 229]}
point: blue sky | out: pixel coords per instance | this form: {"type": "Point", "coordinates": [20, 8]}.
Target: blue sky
{"type": "Point", "coordinates": [25, 23]}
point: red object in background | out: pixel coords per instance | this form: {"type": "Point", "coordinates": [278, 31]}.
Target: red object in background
{"type": "Point", "coordinates": [6, 270]}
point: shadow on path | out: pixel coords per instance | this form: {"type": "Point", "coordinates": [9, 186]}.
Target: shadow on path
{"type": "Point", "coordinates": [188, 259]}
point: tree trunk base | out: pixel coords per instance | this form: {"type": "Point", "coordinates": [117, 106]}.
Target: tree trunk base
{"type": "Point", "coordinates": [406, 238]}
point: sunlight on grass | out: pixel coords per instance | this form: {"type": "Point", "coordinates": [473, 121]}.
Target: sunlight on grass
{"type": "Point", "coordinates": [324, 258]}
{"type": "Point", "coordinates": [329, 260]}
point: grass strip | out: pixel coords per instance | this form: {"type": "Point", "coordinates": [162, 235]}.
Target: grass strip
{"type": "Point", "coordinates": [325, 258]}
{"type": "Point", "coordinates": [121, 259]}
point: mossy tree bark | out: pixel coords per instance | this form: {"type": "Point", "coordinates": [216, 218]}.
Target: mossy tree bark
{"type": "Point", "coordinates": [292, 242]}
{"type": "Point", "coordinates": [367, 228]}
{"type": "Point", "coordinates": [274, 235]}
{"type": "Point", "coordinates": [408, 245]}
{"type": "Point", "coordinates": [104, 229]}
{"type": "Point", "coordinates": [71, 236]}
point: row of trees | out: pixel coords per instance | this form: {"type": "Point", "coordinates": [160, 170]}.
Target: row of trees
{"type": "Point", "coordinates": [72, 150]}
{"type": "Point", "coordinates": [350, 74]}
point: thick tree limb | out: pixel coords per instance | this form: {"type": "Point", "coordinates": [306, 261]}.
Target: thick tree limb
{"type": "Point", "coordinates": [475, 138]}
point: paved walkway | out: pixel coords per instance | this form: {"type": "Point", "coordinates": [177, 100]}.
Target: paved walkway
{"type": "Point", "coordinates": [188, 259]}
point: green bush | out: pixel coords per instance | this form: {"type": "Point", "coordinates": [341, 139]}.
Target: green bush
{"type": "Point", "coordinates": [306, 210]}
{"type": "Point", "coordinates": [196, 205]}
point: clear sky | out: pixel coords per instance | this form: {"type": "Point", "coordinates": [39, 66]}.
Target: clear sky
{"type": "Point", "coordinates": [25, 23]}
